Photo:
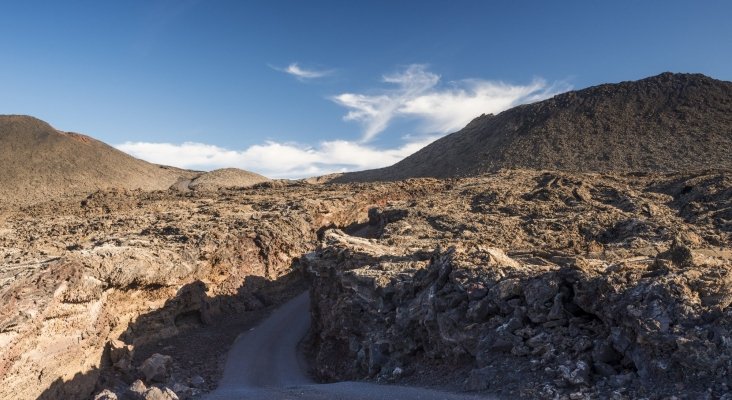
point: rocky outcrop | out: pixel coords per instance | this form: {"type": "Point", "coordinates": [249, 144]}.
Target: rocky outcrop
{"type": "Point", "coordinates": [537, 282]}
{"type": "Point", "coordinates": [627, 296]}
{"type": "Point", "coordinates": [90, 287]}
{"type": "Point", "coordinates": [157, 368]}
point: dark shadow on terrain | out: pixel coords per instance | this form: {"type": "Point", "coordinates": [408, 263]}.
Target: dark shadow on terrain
{"type": "Point", "coordinates": [560, 314]}
{"type": "Point", "coordinates": [373, 227]}
{"type": "Point", "coordinates": [378, 219]}
{"type": "Point", "coordinates": [194, 329]}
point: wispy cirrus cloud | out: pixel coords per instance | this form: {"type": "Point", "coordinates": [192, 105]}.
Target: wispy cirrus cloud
{"type": "Point", "coordinates": [439, 109]}
{"type": "Point", "coordinates": [303, 74]}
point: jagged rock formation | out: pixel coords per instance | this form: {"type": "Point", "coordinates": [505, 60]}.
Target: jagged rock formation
{"type": "Point", "coordinates": [85, 285]}
{"type": "Point", "coordinates": [669, 122]}
{"type": "Point", "coordinates": [535, 285]}
{"type": "Point", "coordinates": [41, 163]}
{"type": "Point", "coordinates": [524, 283]}
{"type": "Point", "coordinates": [492, 279]}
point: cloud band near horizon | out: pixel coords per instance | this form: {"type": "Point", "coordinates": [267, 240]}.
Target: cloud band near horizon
{"type": "Point", "coordinates": [273, 159]}
{"type": "Point", "coordinates": [412, 93]}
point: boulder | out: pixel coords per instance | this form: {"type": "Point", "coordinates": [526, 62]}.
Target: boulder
{"type": "Point", "coordinates": [106, 394]}
{"type": "Point", "coordinates": [120, 354]}
{"type": "Point", "coordinates": [137, 390]}
{"type": "Point", "coordinates": [156, 393]}
{"type": "Point", "coordinates": [157, 368]}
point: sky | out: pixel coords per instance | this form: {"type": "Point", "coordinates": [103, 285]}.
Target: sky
{"type": "Point", "coordinates": [301, 88]}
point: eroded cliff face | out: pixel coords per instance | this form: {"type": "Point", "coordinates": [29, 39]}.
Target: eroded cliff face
{"type": "Point", "coordinates": [82, 281]}
{"type": "Point", "coordinates": [535, 285]}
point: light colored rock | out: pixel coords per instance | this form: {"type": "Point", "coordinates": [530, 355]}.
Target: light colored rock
{"type": "Point", "coordinates": [155, 393]}
{"type": "Point", "coordinates": [157, 368]}
{"type": "Point", "coordinates": [138, 388]}
{"type": "Point", "coordinates": [106, 394]}
{"type": "Point", "coordinates": [120, 354]}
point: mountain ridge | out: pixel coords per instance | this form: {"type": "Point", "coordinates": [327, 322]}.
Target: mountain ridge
{"type": "Point", "coordinates": [667, 122]}
{"type": "Point", "coordinates": [40, 162]}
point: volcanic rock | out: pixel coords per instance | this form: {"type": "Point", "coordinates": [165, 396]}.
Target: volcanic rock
{"type": "Point", "coordinates": [155, 393]}
{"type": "Point", "coordinates": [549, 289]}
{"type": "Point", "coordinates": [531, 277]}
{"type": "Point", "coordinates": [41, 163]}
{"type": "Point", "coordinates": [669, 122]}
{"type": "Point", "coordinates": [157, 368]}
{"type": "Point", "coordinates": [106, 394]}
{"type": "Point", "coordinates": [81, 281]}
{"type": "Point", "coordinates": [227, 177]}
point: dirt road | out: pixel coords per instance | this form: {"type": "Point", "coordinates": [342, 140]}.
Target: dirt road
{"type": "Point", "coordinates": [264, 364]}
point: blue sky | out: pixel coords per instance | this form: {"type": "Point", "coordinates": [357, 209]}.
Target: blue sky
{"type": "Point", "coordinates": [297, 88]}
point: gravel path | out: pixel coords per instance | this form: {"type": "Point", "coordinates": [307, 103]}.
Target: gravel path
{"type": "Point", "coordinates": [264, 364]}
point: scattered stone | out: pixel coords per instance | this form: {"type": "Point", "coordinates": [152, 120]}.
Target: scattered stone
{"type": "Point", "coordinates": [184, 392]}
{"type": "Point", "coordinates": [137, 390]}
{"type": "Point", "coordinates": [622, 380]}
{"type": "Point", "coordinates": [479, 379]}
{"type": "Point", "coordinates": [155, 393]}
{"type": "Point", "coordinates": [197, 382]}
{"type": "Point", "coordinates": [120, 354]}
{"type": "Point", "coordinates": [578, 374]}
{"type": "Point", "coordinates": [157, 368]}
{"type": "Point", "coordinates": [578, 396]}
{"type": "Point", "coordinates": [106, 394]}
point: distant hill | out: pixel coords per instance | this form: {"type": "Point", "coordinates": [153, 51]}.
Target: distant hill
{"type": "Point", "coordinates": [39, 162]}
{"type": "Point", "coordinates": [669, 122]}
{"type": "Point", "coordinates": [225, 177]}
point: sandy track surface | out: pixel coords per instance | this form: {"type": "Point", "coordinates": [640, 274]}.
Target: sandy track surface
{"type": "Point", "coordinates": [264, 364]}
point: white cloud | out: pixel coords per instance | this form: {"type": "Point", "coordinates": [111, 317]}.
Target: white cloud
{"type": "Point", "coordinates": [440, 110]}
{"type": "Point", "coordinates": [273, 159]}
{"type": "Point", "coordinates": [301, 73]}
{"type": "Point", "coordinates": [416, 94]}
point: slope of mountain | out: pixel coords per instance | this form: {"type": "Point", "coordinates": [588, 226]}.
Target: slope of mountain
{"type": "Point", "coordinates": [39, 162]}
{"type": "Point", "coordinates": [669, 122]}
{"type": "Point", "coordinates": [226, 177]}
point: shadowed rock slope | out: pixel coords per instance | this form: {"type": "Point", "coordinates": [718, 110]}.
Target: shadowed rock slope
{"type": "Point", "coordinates": [669, 122]}
{"type": "Point", "coordinates": [40, 162]}
{"type": "Point", "coordinates": [554, 285]}
{"type": "Point", "coordinates": [83, 284]}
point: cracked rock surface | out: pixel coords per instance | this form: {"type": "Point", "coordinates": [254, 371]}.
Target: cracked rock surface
{"type": "Point", "coordinates": [535, 285]}
{"type": "Point", "coordinates": [91, 289]}
{"type": "Point", "coordinates": [521, 283]}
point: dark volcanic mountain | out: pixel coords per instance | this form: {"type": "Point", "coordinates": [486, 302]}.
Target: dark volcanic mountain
{"type": "Point", "coordinates": [39, 162]}
{"type": "Point", "coordinates": [669, 122]}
